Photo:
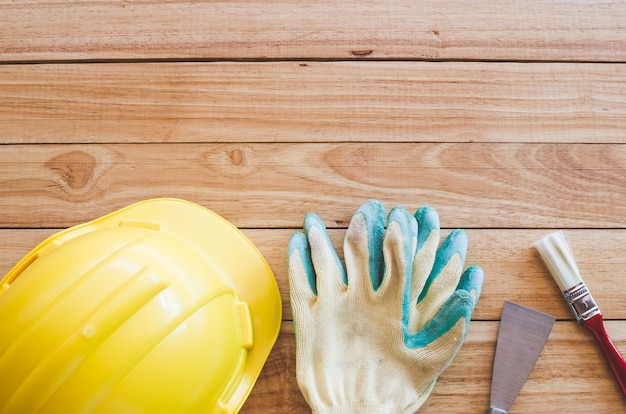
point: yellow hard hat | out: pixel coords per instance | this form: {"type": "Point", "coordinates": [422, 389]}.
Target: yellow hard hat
{"type": "Point", "coordinates": [161, 307]}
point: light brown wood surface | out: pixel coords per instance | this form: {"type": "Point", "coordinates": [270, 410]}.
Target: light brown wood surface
{"type": "Point", "coordinates": [508, 117]}
{"type": "Point", "coordinates": [44, 30]}
{"type": "Point", "coordinates": [352, 101]}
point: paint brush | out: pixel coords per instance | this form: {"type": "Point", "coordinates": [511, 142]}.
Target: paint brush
{"type": "Point", "coordinates": [557, 254]}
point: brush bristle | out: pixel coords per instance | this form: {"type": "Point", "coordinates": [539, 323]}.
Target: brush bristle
{"type": "Point", "coordinates": [559, 259]}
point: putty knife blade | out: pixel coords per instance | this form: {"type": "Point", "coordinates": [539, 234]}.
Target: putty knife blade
{"type": "Point", "coordinates": [523, 333]}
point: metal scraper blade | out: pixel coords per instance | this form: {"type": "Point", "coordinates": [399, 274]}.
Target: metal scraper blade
{"type": "Point", "coordinates": [523, 333]}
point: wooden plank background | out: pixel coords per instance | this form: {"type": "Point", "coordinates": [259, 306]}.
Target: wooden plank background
{"type": "Point", "coordinates": [508, 117]}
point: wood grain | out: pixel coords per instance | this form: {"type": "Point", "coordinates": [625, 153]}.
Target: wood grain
{"type": "Point", "coordinates": [313, 102]}
{"type": "Point", "coordinates": [294, 29]}
{"type": "Point", "coordinates": [263, 185]}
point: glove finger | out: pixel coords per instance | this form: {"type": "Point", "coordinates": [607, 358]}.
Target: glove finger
{"type": "Point", "coordinates": [362, 247]}
{"type": "Point", "coordinates": [452, 320]}
{"type": "Point", "coordinates": [448, 265]}
{"type": "Point", "coordinates": [427, 243]}
{"type": "Point", "coordinates": [300, 268]}
{"type": "Point", "coordinates": [398, 249]}
{"type": "Point", "coordinates": [472, 281]}
{"type": "Point", "coordinates": [443, 279]}
{"type": "Point", "coordinates": [428, 221]}
{"type": "Point", "coordinates": [330, 275]}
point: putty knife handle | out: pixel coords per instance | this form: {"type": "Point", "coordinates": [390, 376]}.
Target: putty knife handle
{"type": "Point", "coordinates": [494, 410]}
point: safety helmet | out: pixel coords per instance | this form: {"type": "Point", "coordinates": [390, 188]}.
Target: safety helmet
{"type": "Point", "coordinates": [161, 307]}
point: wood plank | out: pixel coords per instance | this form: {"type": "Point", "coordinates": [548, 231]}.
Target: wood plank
{"type": "Point", "coordinates": [313, 102]}
{"type": "Point", "coordinates": [40, 30]}
{"type": "Point", "coordinates": [513, 270]}
{"type": "Point", "coordinates": [263, 185]}
{"type": "Point", "coordinates": [569, 369]}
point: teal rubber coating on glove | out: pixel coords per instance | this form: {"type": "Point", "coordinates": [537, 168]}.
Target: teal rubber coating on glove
{"type": "Point", "coordinates": [472, 280]}
{"type": "Point", "coordinates": [461, 304]}
{"type": "Point", "coordinates": [456, 242]}
{"type": "Point", "coordinates": [299, 242]}
{"type": "Point", "coordinates": [427, 220]}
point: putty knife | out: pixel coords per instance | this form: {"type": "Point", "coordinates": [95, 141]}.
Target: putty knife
{"type": "Point", "coordinates": [523, 333]}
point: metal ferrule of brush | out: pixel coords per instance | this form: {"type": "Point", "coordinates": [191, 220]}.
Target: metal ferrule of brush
{"type": "Point", "coordinates": [493, 410]}
{"type": "Point", "coordinates": [581, 302]}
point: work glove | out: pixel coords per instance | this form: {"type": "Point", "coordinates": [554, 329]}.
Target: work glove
{"type": "Point", "coordinates": [374, 336]}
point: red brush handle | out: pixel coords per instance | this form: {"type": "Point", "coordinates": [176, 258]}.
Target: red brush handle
{"type": "Point", "coordinates": [595, 325]}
